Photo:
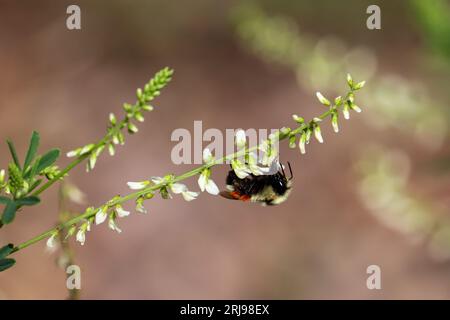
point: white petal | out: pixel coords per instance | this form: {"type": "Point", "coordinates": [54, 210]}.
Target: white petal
{"type": "Point", "coordinates": [335, 125]}
{"type": "Point", "coordinates": [52, 243]}
{"type": "Point", "coordinates": [322, 99]}
{"type": "Point", "coordinates": [241, 172]}
{"type": "Point", "coordinates": [318, 135]}
{"type": "Point", "coordinates": [72, 153]}
{"type": "Point", "coordinates": [240, 169]}
{"type": "Point", "coordinates": [178, 188]}
{"type": "Point", "coordinates": [157, 180]}
{"type": "Point", "coordinates": [240, 138]}
{"type": "Point", "coordinates": [264, 146]}
{"type": "Point", "coordinates": [190, 195]}
{"type": "Point", "coordinates": [121, 212]}
{"type": "Point", "coordinates": [113, 226]}
{"type": "Point", "coordinates": [137, 185]}
{"type": "Point", "coordinates": [100, 216]}
{"type": "Point", "coordinates": [256, 170]}
{"type": "Point", "coordinates": [140, 208]}
{"type": "Point", "coordinates": [346, 113]}
{"type": "Point", "coordinates": [211, 187]}
{"type": "Point", "coordinates": [207, 156]}
{"type": "Point", "coordinates": [301, 145]}
{"type": "Point", "coordinates": [81, 236]}
{"type": "Point", "coordinates": [356, 108]}
{"type": "Point", "coordinates": [202, 180]}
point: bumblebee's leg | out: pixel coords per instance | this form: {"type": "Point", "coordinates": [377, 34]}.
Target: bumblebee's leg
{"type": "Point", "coordinates": [290, 170]}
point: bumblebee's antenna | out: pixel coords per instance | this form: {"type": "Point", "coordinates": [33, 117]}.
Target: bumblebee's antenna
{"type": "Point", "coordinates": [290, 170]}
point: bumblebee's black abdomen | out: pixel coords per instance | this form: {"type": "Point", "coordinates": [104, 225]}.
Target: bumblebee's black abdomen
{"type": "Point", "coordinates": [252, 185]}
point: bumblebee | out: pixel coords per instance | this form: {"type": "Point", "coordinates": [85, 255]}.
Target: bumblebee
{"type": "Point", "coordinates": [270, 189]}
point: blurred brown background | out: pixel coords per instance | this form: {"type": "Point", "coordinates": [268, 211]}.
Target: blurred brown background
{"type": "Point", "coordinates": [316, 245]}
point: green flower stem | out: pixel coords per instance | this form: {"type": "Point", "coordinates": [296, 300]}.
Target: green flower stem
{"type": "Point", "coordinates": [66, 170]}
{"type": "Point", "coordinates": [79, 159]}
{"type": "Point", "coordinates": [151, 91]}
{"type": "Point", "coordinates": [154, 187]}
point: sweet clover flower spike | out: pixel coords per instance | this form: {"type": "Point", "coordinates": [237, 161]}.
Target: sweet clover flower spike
{"type": "Point", "coordinates": [133, 112]}
{"type": "Point", "coordinates": [144, 190]}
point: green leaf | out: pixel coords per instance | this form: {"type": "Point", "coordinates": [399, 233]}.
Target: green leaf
{"type": "Point", "coordinates": [4, 200]}
{"type": "Point", "coordinates": [6, 250]}
{"type": "Point", "coordinates": [12, 149]}
{"type": "Point", "coordinates": [6, 264]}
{"type": "Point", "coordinates": [48, 159]}
{"type": "Point", "coordinates": [33, 170]}
{"type": "Point", "coordinates": [32, 149]}
{"type": "Point", "coordinates": [28, 201]}
{"type": "Point", "coordinates": [9, 213]}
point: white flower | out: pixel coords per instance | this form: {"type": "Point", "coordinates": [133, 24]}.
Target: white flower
{"type": "Point", "coordinates": [346, 112]}
{"type": "Point", "coordinates": [157, 180]}
{"type": "Point", "coordinates": [240, 138]}
{"type": "Point", "coordinates": [349, 80]}
{"type": "Point", "coordinates": [322, 99]}
{"type": "Point", "coordinates": [334, 122]}
{"type": "Point", "coordinates": [81, 236]}
{"type": "Point", "coordinates": [318, 134]}
{"type": "Point", "coordinates": [112, 224]}
{"type": "Point", "coordinates": [140, 206]}
{"type": "Point", "coordinates": [52, 243]}
{"type": "Point", "coordinates": [138, 185]}
{"type": "Point", "coordinates": [101, 216]}
{"type": "Point", "coordinates": [270, 152]}
{"type": "Point", "coordinates": [302, 143]}
{"type": "Point", "coordinates": [189, 195]}
{"type": "Point", "coordinates": [207, 156]}
{"type": "Point", "coordinates": [87, 148]}
{"type": "Point", "coordinates": [121, 212]}
{"type": "Point", "coordinates": [205, 183]}
{"type": "Point", "coordinates": [178, 188]}
{"type": "Point", "coordinates": [72, 153]}
{"type": "Point", "coordinates": [356, 108]}
{"type": "Point", "coordinates": [240, 169]}
{"type": "Point", "coordinates": [253, 166]}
